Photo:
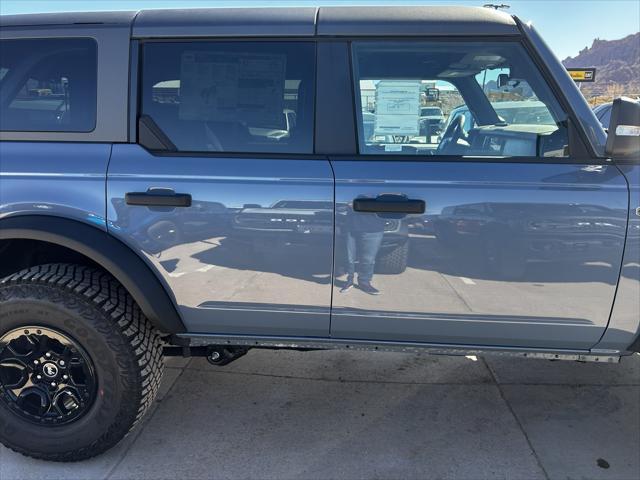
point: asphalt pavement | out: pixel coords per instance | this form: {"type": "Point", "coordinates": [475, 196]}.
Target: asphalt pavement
{"type": "Point", "coordinates": [361, 415]}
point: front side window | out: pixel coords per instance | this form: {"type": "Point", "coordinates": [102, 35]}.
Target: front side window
{"type": "Point", "coordinates": [48, 85]}
{"type": "Point", "coordinates": [231, 96]}
{"type": "Point", "coordinates": [456, 99]}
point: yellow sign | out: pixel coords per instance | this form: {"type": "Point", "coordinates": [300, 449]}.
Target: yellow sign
{"type": "Point", "coordinates": [582, 74]}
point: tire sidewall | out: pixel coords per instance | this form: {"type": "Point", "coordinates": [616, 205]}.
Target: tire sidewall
{"type": "Point", "coordinates": [113, 361]}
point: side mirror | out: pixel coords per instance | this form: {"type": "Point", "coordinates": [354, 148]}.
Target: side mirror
{"type": "Point", "coordinates": [624, 129]}
{"type": "Point", "coordinates": [503, 80]}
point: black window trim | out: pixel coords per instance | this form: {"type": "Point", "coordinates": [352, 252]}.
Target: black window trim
{"type": "Point", "coordinates": [113, 71]}
{"type": "Point", "coordinates": [581, 151]}
{"type": "Point", "coordinates": [95, 110]}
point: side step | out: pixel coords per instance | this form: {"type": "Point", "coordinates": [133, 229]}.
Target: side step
{"type": "Point", "coordinates": [234, 347]}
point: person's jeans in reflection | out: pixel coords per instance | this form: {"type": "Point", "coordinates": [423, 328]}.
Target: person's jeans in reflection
{"type": "Point", "coordinates": [362, 247]}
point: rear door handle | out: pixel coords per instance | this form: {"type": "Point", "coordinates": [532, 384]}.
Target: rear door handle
{"type": "Point", "coordinates": [158, 197]}
{"type": "Point", "coordinates": [389, 203]}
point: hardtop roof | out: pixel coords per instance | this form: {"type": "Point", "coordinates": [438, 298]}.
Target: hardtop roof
{"type": "Point", "coordinates": [284, 22]}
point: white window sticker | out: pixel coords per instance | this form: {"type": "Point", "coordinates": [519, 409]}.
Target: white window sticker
{"type": "Point", "coordinates": [227, 87]}
{"type": "Point", "coordinates": [397, 107]}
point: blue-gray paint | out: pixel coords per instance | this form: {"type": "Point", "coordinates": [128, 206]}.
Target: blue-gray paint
{"type": "Point", "coordinates": [624, 326]}
{"type": "Point", "coordinates": [60, 179]}
{"type": "Point", "coordinates": [239, 228]}
{"type": "Point", "coordinates": [505, 254]}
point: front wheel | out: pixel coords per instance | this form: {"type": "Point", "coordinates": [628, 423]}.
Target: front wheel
{"type": "Point", "coordinates": [79, 363]}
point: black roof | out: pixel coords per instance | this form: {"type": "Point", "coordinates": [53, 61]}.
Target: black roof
{"type": "Point", "coordinates": [282, 22]}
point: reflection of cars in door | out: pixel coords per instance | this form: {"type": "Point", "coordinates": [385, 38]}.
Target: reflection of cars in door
{"type": "Point", "coordinates": [514, 234]}
{"type": "Point", "coordinates": [289, 224]}
{"type": "Point", "coordinates": [393, 254]}
{"type": "Point", "coordinates": [158, 229]}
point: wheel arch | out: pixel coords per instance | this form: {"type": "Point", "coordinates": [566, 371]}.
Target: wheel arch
{"type": "Point", "coordinates": [137, 277]}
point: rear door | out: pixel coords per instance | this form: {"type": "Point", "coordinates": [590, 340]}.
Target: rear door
{"type": "Point", "coordinates": [507, 234]}
{"type": "Point", "coordinates": [228, 201]}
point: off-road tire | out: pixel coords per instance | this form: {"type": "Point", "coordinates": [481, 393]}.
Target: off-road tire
{"type": "Point", "coordinates": [90, 306]}
{"type": "Point", "coordinates": [395, 261]}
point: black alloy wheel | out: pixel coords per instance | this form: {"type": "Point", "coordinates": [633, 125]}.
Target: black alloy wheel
{"type": "Point", "coordinates": [45, 376]}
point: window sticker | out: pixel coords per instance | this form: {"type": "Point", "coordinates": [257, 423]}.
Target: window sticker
{"type": "Point", "coordinates": [397, 107]}
{"type": "Point", "coordinates": [228, 87]}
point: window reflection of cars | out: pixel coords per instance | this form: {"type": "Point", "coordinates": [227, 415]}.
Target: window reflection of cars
{"type": "Point", "coordinates": [431, 121]}
{"type": "Point", "coordinates": [368, 123]}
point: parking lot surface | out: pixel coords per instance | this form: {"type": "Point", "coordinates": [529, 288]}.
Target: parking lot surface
{"type": "Point", "coordinates": [360, 415]}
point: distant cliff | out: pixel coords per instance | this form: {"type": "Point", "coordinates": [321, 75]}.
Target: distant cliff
{"type": "Point", "coordinates": [617, 64]}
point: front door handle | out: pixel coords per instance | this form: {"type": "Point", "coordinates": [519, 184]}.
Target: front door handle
{"type": "Point", "coordinates": [158, 197]}
{"type": "Point", "coordinates": [389, 203]}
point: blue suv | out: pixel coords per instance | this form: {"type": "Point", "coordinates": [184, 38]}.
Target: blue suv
{"type": "Point", "coordinates": [206, 182]}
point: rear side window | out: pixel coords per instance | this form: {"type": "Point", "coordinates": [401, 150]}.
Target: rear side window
{"type": "Point", "coordinates": [231, 96]}
{"type": "Point", "coordinates": [455, 99]}
{"type": "Point", "coordinates": [48, 85]}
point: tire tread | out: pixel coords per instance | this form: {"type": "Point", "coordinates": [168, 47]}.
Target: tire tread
{"type": "Point", "coordinates": [77, 284]}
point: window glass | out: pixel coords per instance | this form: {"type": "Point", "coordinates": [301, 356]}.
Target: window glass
{"type": "Point", "coordinates": [48, 85]}
{"type": "Point", "coordinates": [455, 98]}
{"type": "Point", "coordinates": [231, 96]}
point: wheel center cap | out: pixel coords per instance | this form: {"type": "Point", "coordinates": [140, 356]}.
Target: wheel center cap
{"type": "Point", "coordinates": [50, 369]}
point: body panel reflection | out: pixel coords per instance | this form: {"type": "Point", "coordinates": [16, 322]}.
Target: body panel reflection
{"type": "Point", "coordinates": [505, 254]}
{"type": "Point", "coordinates": [254, 251]}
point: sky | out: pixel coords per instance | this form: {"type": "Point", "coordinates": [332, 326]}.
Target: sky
{"type": "Point", "coordinates": [567, 25]}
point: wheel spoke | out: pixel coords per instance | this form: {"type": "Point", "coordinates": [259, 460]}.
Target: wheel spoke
{"type": "Point", "coordinates": [35, 401]}
{"type": "Point", "coordinates": [13, 373]}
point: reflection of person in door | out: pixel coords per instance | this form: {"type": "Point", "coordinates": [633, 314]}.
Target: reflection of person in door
{"type": "Point", "coordinates": [364, 232]}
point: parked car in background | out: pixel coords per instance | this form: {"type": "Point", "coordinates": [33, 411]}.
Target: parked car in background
{"type": "Point", "coordinates": [142, 152]}
{"type": "Point", "coordinates": [603, 112]}
{"type": "Point", "coordinates": [431, 121]}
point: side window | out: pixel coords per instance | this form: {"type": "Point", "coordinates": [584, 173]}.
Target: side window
{"type": "Point", "coordinates": [48, 85]}
{"type": "Point", "coordinates": [231, 96]}
{"type": "Point", "coordinates": [456, 99]}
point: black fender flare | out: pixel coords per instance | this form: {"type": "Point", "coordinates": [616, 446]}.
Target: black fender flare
{"type": "Point", "coordinates": [114, 256]}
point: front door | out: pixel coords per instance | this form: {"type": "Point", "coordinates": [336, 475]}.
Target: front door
{"type": "Point", "coordinates": [236, 213]}
{"type": "Point", "coordinates": [487, 232]}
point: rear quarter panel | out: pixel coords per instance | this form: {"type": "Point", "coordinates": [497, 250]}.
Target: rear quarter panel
{"type": "Point", "coordinates": [60, 179]}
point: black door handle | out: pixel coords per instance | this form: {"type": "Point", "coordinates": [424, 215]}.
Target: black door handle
{"type": "Point", "coordinates": [389, 203]}
{"type": "Point", "coordinates": [158, 197]}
